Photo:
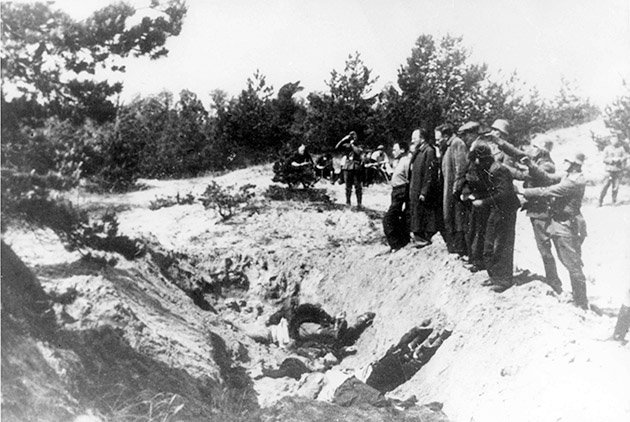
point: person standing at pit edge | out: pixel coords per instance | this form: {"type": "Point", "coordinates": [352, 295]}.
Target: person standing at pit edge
{"type": "Point", "coordinates": [352, 168]}
{"type": "Point", "coordinates": [424, 191]}
{"type": "Point", "coordinates": [395, 220]}
{"type": "Point", "coordinates": [455, 212]}
{"type": "Point", "coordinates": [615, 160]}
{"type": "Point", "coordinates": [500, 230]}
{"type": "Point", "coordinates": [567, 228]}
{"type": "Point", "coordinates": [538, 208]}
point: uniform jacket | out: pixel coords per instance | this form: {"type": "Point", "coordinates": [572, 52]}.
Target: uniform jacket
{"type": "Point", "coordinates": [353, 157]}
{"type": "Point", "coordinates": [536, 207]}
{"type": "Point", "coordinates": [614, 158]}
{"type": "Point", "coordinates": [566, 203]}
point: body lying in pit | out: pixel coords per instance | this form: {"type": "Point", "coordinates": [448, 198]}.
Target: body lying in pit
{"type": "Point", "coordinates": [308, 326]}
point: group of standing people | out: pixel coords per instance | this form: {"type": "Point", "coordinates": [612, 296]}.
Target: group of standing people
{"type": "Point", "coordinates": [461, 185]}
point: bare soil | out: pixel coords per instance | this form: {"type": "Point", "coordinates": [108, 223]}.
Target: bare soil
{"type": "Point", "coordinates": [136, 333]}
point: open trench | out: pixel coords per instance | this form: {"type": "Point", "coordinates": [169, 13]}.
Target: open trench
{"type": "Point", "coordinates": [243, 288]}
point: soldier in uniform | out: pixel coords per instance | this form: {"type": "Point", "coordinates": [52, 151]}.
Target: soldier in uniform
{"type": "Point", "coordinates": [567, 227]}
{"type": "Point", "coordinates": [352, 167]}
{"type": "Point", "coordinates": [615, 160]}
{"type": "Point", "coordinates": [538, 208]}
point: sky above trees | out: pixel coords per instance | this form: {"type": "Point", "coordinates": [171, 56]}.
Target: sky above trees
{"type": "Point", "coordinates": [224, 41]}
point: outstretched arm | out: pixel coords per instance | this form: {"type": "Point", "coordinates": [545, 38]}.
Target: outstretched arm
{"type": "Point", "coordinates": [559, 190]}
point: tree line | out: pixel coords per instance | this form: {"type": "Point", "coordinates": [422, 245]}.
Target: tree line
{"type": "Point", "coordinates": [77, 128]}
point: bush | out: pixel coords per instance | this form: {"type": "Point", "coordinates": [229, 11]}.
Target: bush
{"type": "Point", "coordinates": [283, 172]}
{"type": "Point", "coordinates": [170, 201]}
{"type": "Point", "coordinates": [278, 193]}
{"type": "Point", "coordinates": [618, 113]}
{"type": "Point", "coordinates": [35, 199]}
{"type": "Point", "coordinates": [226, 200]}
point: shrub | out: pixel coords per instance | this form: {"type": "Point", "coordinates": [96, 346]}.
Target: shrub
{"type": "Point", "coordinates": [283, 172]}
{"type": "Point", "coordinates": [226, 200]}
{"type": "Point", "coordinates": [618, 113]}
{"type": "Point", "coordinates": [278, 193]}
{"type": "Point", "coordinates": [35, 199]}
{"type": "Point", "coordinates": [169, 201]}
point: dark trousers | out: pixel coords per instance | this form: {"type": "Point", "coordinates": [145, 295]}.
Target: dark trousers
{"type": "Point", "coordinates": [353, 178]}
{"type": "Point", "coordinates": [454, 232]}
{"type": "Point", "coordinates": [543, 242]}
{"type": "Point", "coordinates": [498, 249]}
{"type": "Point", "coordinates": [614, 179]}
{"type": "Point", "coordinates": [569, 249]}
{"type": "Point", "coordinates": [476, 235]}
{"type": "Point", "coordinates": [396, 219]}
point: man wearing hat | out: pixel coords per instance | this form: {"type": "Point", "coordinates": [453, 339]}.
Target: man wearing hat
{"type": "Point", "coordinates": [567, 227]}
{"type": "Point", "coordinates": [538, 208]}
{"type": "Point", "coordinates": [455, 212]}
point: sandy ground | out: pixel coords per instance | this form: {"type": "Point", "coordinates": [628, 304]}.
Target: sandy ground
{"type": "Point", "coordinates": [524, 355]}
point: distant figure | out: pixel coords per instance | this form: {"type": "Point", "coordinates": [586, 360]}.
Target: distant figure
{"type": "Point", "coordinates": [424, 190]}
{"type": "Point", "coordinates": [352, 167]}
{"type": "Point", "coordinates": [395, 221]}
{"type": "Point", "coordinates": [380, 170]}
{"type": "Point", "coordinates": [567, 228]}
{"type": "Point", "coordinates": [324, 167]}
{"type": "Point", "coordinates": [302, 158]}
{"type": "Point", "coordinates": [615, 159]}
{"type": "Point", "coordinates": [303, 167]}
{"type": "Point", "coordinates": [455, 212]}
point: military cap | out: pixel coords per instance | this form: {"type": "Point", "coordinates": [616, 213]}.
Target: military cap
{"type": "Point", "coordinates": [469, 127]}
{"type": "Point", "coordinates": [578, 158]}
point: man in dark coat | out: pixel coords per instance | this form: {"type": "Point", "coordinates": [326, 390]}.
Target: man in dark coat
{"type": "Point", "coordinates": [455, 212]}
{"type": "Point", "coordinates": [476, 185]}
{"type": "Point", "coordinates": [424, 192]}
{"type": "Point", "coordinates": [352, 167]}
{"type": "Point", "coordinates": [567, 227]}
{"type": "Point", "coordinates": [396, 221]}
{"type": "Point", "coordinates": [498, 250]}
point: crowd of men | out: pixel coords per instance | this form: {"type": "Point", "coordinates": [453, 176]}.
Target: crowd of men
{"type": "Point", "coordinates": [460, 183]}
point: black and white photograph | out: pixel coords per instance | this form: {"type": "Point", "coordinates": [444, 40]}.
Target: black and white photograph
{"type": "Point", "coordinates": [315, 210]}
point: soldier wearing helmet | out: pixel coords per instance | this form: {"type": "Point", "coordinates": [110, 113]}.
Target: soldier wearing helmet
{"type": "Point", "coordinates": [567, 228]}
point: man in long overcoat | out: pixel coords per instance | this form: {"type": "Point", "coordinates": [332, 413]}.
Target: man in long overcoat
{"type": "Point", "coordinates": [424, 192]}
{"type": "Point", "coordinates": [455, 212]}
